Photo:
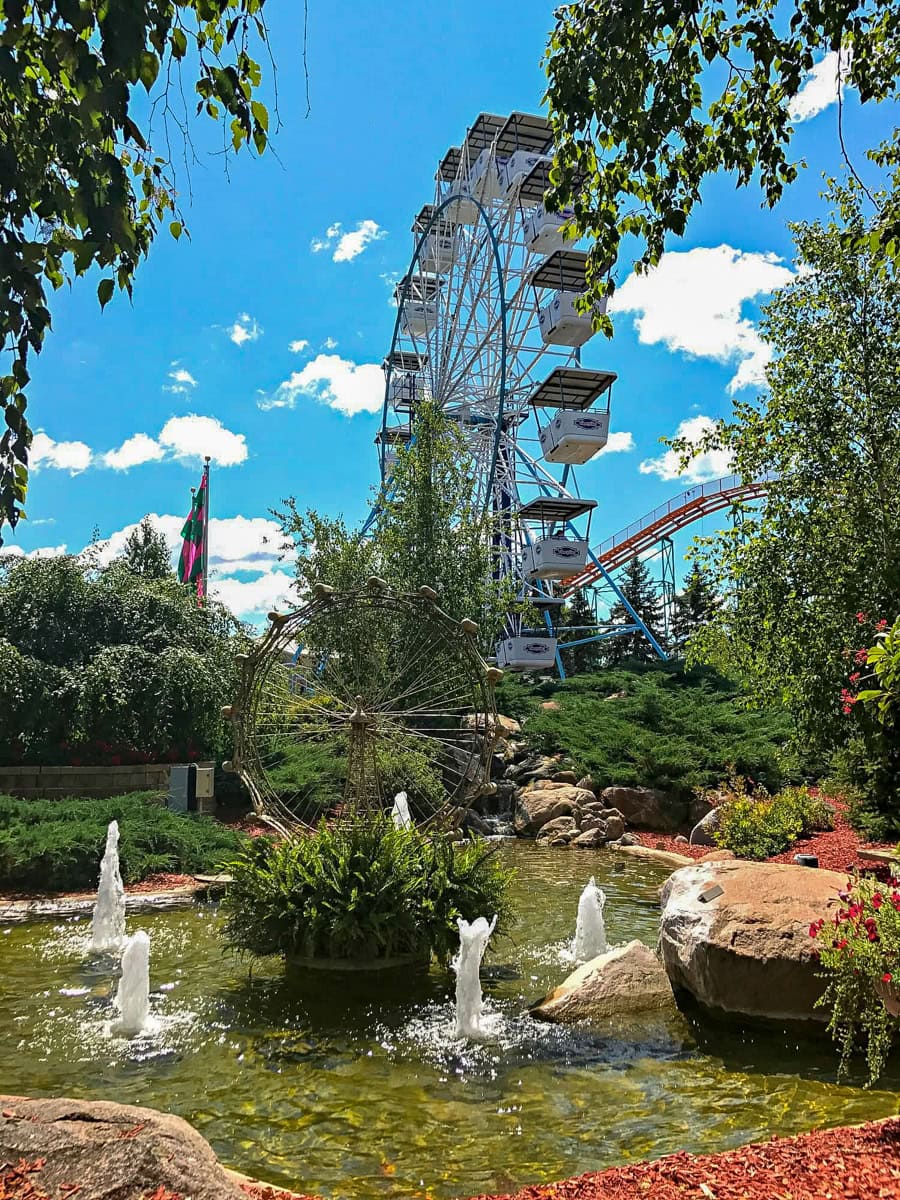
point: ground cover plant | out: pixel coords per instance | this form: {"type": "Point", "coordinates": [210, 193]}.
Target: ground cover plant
{"type": "Point", "coordinates": [653, 725]}
{"type": "Point", "coordinates": [362, 890]}
{"type": "Point", "coordinates": [56, 845]}
{"type": "Point", "coordinates": [753, 824]}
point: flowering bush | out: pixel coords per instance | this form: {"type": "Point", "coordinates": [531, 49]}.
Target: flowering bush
{"type": "Point", "coordinates": [873, 699]}
{"type": "Point", "coordinates": [859, 950]}
{"type": "Point", "coordinates": [753, 824]}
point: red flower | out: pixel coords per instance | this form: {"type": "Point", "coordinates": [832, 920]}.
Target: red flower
{"type": "Point", "coordinates": [854, 678]}
{"type": "Point", "coordinates": [841, 945]}
{"type": "Point", "coordinates": [886, 977]}
{"type": "Point", "coordinates": [816, 927]}
{"type": "Point", "coordinates": [881, 625]}
{"type": "Point", "coordinates": [861, 618]}
{"type": "Point", "coordinates": [877, 900]}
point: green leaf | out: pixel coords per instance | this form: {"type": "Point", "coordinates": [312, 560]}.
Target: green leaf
{"type": "Point", "coordinates": [179, 43]}
{"type": "Point", "coordinates": [105, 289]}
{"type": "Point", "coordinates": [175, 229]}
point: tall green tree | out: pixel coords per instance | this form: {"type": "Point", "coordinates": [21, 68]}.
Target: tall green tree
{"type": "Point", "coordinates": [648, 100]}
{"type": "Point", "coordinates": [642, 594]}
{"type": "Point", "coordinates": [577, 622]}
{"type": "Point", "coordinates": [82, 185]}
{"type": "Point", "coordinates": [146, 552]}
{"type": "Point", "coordinates": [821, 557]}
{"type": "Point", "coordinates": [695, 606]}
{"type": "Point", "coordinates": [427, 531]}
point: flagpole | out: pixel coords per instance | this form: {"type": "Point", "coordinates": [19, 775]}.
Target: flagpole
{"type": "Point", "coordinates": [204, 561]}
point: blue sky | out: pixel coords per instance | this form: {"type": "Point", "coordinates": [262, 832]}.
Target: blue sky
{"type": "Point", "coordinates": [247, 343]}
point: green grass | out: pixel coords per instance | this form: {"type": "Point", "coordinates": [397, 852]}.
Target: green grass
{"type": "Point", "coordinates": [56, 845]}
{"type": "Point", "coordinates": [672, 729]}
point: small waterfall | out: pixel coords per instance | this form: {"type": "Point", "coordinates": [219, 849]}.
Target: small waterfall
{"type": "Point", "coordinates": [473, 940]}
{"type": "Point", "coordinates": [108, 920]}
{"type": "Point", "coordinates": [400, 812]}
{"type": "Point", "coordinates": [590, 931]}
{"type": "Point", "coordinates": [133, 996]}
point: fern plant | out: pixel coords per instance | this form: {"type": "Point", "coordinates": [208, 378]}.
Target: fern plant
{"type": "Point", "coordinates": [364, 890]}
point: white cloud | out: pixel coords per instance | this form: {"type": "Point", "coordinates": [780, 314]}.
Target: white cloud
{"type": "Point", "coordinates": [7, 551]}
{"type": "Point", "coordinates": [692, 302]}
{"type": "Point", "coordinates": [617, 442]}
{"type": "Point", "coordinates": [182, 381]}
{"type": "Point", "coordinates": [252, 599]}
{"type": "Point", "coordinates": [711, 464]}
{"type": "Point", "coordinates": [330, 343]}
{"type": "Point", "coordinates": [298, 345]}
{"type": "Point", "coordinates": [134, 450]}
{"type": "Point", "coordinates": [193, 437]}
{"type": "Point", "coordinates": [64, 456]}
{"type": "Point", "coordinates": [347, 386]}
{"type": "Point", "coordinates": [348, 245]}
{"type": "Point", "coordinates": [820, 88]}
{"type": "Point", "coordinates": [237, 546]}
{"type": "Point", "coordinates": [244, 329]}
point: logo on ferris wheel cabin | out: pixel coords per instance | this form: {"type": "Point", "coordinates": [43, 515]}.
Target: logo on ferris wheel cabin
{"type": "Point", "coordinates": [535, 648]}
{"type": "Point", "coordinates": [587, 423]}
{"type": "Point", "coordinates": [566, 552]}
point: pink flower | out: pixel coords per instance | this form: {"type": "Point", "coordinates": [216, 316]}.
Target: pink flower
{"type": "Point", "coordinates": [881, 625]}
{"type": "Point", "coordinates": [854, 678]}
{"type": "Point", "coordinates": [861, 657]}
{"type": "Point", "coordinates": [861, 618]}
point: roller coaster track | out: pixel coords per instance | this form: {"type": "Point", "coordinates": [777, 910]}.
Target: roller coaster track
{"type": "Point", "coordinates": [642, 535]}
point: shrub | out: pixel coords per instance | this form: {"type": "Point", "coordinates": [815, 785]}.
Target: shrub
{"type": "Point", "coordinates": [859, 949]}
{"type": "Point", "coordinates": [56, 845]}
{"type": "Point", "coordinates": [360, 891]}
{"type": "Point", "coordinates": [756, 825]}
{"type": "Point", "coordinates": [653, 726]}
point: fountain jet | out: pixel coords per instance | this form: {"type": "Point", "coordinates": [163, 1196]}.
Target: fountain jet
{"type": "Point", "coordinates": [400, 812]}
{"type": "Point", "coordinates": [133, 996]}
{"type": "Point", "coordinates": [473, 940]}
{"type": "Point", "coordinates": [590, 931]}
{"type": "Point", "coordinates": [108, 920]}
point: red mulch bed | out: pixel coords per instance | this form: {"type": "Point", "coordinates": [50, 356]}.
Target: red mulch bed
{"type": "Point", "coordinates": [836, 849]}
{"type": "Point", "coordinates": [861, 1163]}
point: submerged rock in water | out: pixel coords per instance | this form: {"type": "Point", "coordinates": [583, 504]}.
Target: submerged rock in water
{"type": "Point", "coordinates": [628, 979]}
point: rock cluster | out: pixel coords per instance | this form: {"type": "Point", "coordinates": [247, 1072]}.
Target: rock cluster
{"type": "Point", "coordinates": [625, 980]}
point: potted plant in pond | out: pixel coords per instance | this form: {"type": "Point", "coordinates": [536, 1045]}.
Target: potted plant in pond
{"type": "Point", "coordinates": [360, 894]}
{"type": "Point", "coordinates": [859, 950]}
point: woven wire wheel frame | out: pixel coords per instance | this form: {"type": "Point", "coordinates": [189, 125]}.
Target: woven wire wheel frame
{"type": "Point", "coordinates": [436, 697]}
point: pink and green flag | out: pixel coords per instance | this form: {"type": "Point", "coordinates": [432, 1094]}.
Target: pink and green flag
{"type": "Point", "coordinates": [190, 564]}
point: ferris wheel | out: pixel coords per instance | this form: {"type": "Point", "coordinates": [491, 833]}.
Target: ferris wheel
{"type": "Point", "coordinates": [488, 328]}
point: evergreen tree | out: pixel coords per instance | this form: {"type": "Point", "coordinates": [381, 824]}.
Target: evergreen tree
{"type": "Point", "coordinates": [575, 616]}
{"type": "Point", "coordinates": [694, 606]}
{"type": "Point", "coordinates": [146, 552]}
{"type": "Point", "coordinates": [638, 587]}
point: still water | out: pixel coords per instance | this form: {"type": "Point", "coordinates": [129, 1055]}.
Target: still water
{"type": "Point", "coordinates": [352, 1086]}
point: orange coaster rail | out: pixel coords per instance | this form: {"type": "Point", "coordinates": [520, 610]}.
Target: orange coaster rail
{"type": "Point", "coordinates": [642, 535]}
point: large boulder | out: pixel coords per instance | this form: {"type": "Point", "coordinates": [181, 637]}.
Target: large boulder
{"type": "Point", "coordinates": [628, 979]}
{"type": "Point", "coordinates": [110, 1150]}
{"type": "Point", "coordinates": [538, 805]}
{"type": "Point", "coordinates": [646, 808]}
{"type": "Point", "coordinates": [557, 827]}
{"type": "Point", "coordinates": [747, 950]}
{"type": "Point", "coordinates": [592, 838]}
{"type": "Point", "coordinates": [703, 832]}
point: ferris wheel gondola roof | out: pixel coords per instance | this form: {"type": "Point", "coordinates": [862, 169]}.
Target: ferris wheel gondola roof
{"type": "Point", "coordinates": [422, 286]}
{"type": "Point", "coordinates": [423, 218]}
{"type": "Point", "coordinates": [556, 508]}
{"type": "Point", "coordinates": [524, 131]}
{"type": "Point", "coordinates": [405, 360]}
{"type": "Point", "coordinates": [571, 387]}
{"type": "Point", "coordinates": [449, 164]}
{"type": "Point", "coordinates": [563, 270]}
{"type": "Point", "coordinates": [482, 132]}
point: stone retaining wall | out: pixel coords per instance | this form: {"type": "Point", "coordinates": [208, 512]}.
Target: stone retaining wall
{"type": "Point", "coordinates": [56, 782]}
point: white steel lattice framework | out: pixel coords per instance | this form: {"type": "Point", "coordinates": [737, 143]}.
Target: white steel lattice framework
{"type": "Point", "coordinates": [488, 327]}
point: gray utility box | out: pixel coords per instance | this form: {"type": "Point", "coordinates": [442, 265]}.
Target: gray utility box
{"type": "Point", "coordinates": [192, 788]}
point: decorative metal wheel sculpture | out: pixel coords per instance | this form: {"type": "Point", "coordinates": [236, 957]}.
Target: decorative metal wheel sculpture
{"type": "Point", "coordinates": [357, 696]}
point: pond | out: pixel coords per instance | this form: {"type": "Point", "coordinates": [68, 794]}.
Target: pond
{"type": "Point", "coordinates": [352, 1086]}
